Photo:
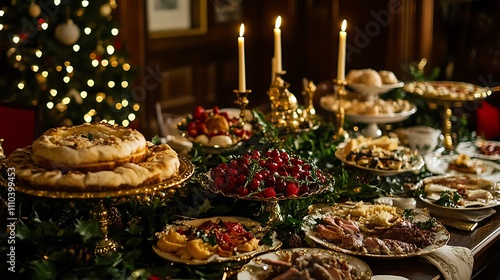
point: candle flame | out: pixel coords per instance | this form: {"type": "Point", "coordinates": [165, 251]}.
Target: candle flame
{"type": "Point", "coordinates": [344, 25]}
{"type": "Point", "coordinates": [242, 30]}
{"type": "Point", "coordinates": [278, 22]}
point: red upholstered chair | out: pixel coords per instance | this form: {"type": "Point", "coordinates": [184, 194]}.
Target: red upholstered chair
{"type": "Point", "coordinates": [18, 126]}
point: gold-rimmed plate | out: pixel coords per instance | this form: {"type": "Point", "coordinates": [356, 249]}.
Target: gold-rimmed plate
{"type": "Point", "coordinates": [440, 165]}
{"type": "Point", "coordinates": [464, 182]}
{"type": "Point", "coordinates": [186, 170]}
{"type": "Point", "coordinates": [472, 149]}
{"type": "Point", "coordinates": [310, 225]}
{"type": "Point", "coordinates": [414, 163]}
{"type": "Point", "coordinates": [251, 226]}
{"type": "Point", "coordinates": [256, 269]}
{"type": "Point", "coordinates": [447, 91]}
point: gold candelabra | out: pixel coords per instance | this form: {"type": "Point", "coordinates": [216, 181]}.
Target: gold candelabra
{"type": "Point", "coordinates": [286, 114]}
{"type": "Point", "coordinates": [340, 115]}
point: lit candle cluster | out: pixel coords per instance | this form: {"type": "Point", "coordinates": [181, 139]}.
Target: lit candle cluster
{"type": "Point", "coordinates": [276, 64]}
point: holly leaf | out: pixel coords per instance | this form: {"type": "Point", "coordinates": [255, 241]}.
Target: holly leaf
{"type": "Point", "coordinates": [43, 270]}
{"type": "Point", "coordinates": [156, 140]}
{"type": "Point", "coordinates": [87, 229]}
{"type": "Point", "coordinates": [203, 208]}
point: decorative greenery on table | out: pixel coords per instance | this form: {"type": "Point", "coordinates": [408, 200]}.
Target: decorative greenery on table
{"type": "Point", "coordinates": [56, 238]}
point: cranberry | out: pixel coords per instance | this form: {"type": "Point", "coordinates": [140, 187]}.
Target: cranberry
{"type": "Point", "coordinates": [272, 167]}
{"type": "Point", "coordinates": [234, 164]}
{"type": "Point", "coordinates": [232, 172]}
{"type": "Point", "coordinates": [219, 182]}
{"type": "Point", "coordinates": [303, 189]}
{"type": "Point", "coordinates": [242, 191]}
{"type": "Point", "coordinates": [297, 161]}
{"type": "Point", "coordinates": [259, 176]}
{"type": "Point", "coordinates": [241, 179]}
{"type": "Point", "coordinates": [280, 185]}
{"type": "Point", "coordinates": [255, 154]}
{"type": "Point", "coordinates": [254, 185]}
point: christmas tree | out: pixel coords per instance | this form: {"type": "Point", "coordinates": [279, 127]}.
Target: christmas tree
{"type": "Point", "coordinates": [66, 58]}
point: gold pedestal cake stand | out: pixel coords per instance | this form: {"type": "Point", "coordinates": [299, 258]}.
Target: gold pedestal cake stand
{"type": "Point", "coordinates": [99, 211]}
{"type": "Point", "coordinates": [447, 94]}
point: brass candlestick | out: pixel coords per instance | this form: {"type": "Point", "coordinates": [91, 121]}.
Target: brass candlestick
{"type": "Point", "coordinates": [309, 111]}
{"type": "Point", "coordinates": [242, 101]}
{"type": "Point", "coordinates": [340, 116]}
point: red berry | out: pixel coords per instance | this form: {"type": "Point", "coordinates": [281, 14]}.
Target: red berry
{"type": "Point", "coordinates": [219, 182]}
{"type": "Point", "coordinates": [216, 110]}
{"type": "Point", "coordinates": [269, 192]}
{"type": "Point", "coordinates": [199, 113]}
{"type": "Point", "coordinates": [280, 186]}
{"type": "Point", "coordinates": [292, 189]}
{"type": "Point", "coordinates": [272, 167]}
{"type": "Point", "coordinates": [254, 185]}
{"type": "Point", "coordinates": [255, 154]}
{"type": "Point", "coordinates": [234, 164]}
{"type": "Point", "coordinates": [192, 133]}
{"type": "Point", "coordinates": [303, 189]}
{"type": "Point", "coordinates": [242, 191]}
{"type": "Point", "coordinates": [241, 179]}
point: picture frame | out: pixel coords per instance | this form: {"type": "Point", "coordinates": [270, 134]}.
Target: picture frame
{"type": "Point", "coordinates": [176, 18]}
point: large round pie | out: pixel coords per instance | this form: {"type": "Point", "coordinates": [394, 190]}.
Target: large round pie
{"type": "Point", "coordinates": [93, 157]}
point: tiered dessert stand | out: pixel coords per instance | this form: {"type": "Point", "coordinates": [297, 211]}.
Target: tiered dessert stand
{"type": "Point", "coordinates": [99, 211]}
{"type": "Point", "coordinates": [372, 93]}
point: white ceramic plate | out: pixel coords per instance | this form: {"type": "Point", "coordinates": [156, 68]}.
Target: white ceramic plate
{"type": "Point", "coordinates": [216, 258]}
{"type": "Point", "coordinates": [372, 90]}
{"type": "Point", "coordinates": [382, 118]}
{"type": "Point", "coordinates": [492, 187]}
{"type": "Point", "coordinates": [415, 165]}
{"type": "Point", "coordinates": [472, 149]}
{"type": "Point", "coordinates": [251, 270]}
{"type": "Point", "coordinates": [439, 164]}
{"type": "Point", "coordinates": [309, 225]}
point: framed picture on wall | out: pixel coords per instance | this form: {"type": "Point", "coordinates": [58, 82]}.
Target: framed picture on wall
{"type": "Point", "coordinates": [174, 18]}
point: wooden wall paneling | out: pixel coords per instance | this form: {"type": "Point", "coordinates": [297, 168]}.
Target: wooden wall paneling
{"type": "Point", "coordinates": [131, 16]}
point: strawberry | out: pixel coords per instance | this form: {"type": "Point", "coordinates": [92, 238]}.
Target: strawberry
{"type": "Point", "coordinates": [269, 192]}
{"type": "Point", "coordinates": [292, 189]}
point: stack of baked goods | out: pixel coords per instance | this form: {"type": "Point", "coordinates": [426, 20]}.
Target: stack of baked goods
{"type": "Point", "coordinates": [92, 157]}
{"type": "Point", "coordinates": [371, 77]}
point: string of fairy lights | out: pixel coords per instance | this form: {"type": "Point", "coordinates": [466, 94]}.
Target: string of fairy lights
{"type": "Point", "coordinates": [68, 33]}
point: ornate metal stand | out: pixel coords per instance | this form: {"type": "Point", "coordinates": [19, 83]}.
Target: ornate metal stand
{"type": "Point", "coordinates": [100, 214]}
{"type": "Point", "coordinates": [242, 101]}
{"type": "Point", "coordinates": [99, 211]}
{"type": "Point", "coordinates": [340, 115]}
{"type": "Point", "coordinates": [273, 208]}
{"type": "Point", "coordinates": [286, 114]}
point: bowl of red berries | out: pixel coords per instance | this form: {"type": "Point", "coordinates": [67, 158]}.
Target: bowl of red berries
{"type": "Point", "coordinates": [269, 175]}
{"type": "Point", "coordinates": [216, 129]}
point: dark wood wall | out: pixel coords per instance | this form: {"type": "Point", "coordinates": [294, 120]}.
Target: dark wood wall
{"type": "Point", "coordinates": [184, 71]}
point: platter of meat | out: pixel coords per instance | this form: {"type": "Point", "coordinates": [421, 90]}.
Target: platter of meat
{"type": "Point", "coordinates": [216, 239]}
{"type": "Point", "coordinates": [305, 263]}
{"type": "Point", "coordinates": [460, 192]}
{"type": "Point", "coordinates": [375, 230]}
{"type": "Point", "coordinates": [383, 156]}
{"type": "Point", "coordinates": [483, 149]}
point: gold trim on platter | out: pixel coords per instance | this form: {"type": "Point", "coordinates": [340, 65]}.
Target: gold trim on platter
{"type": "Point", "coordinates": [186, 170]}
